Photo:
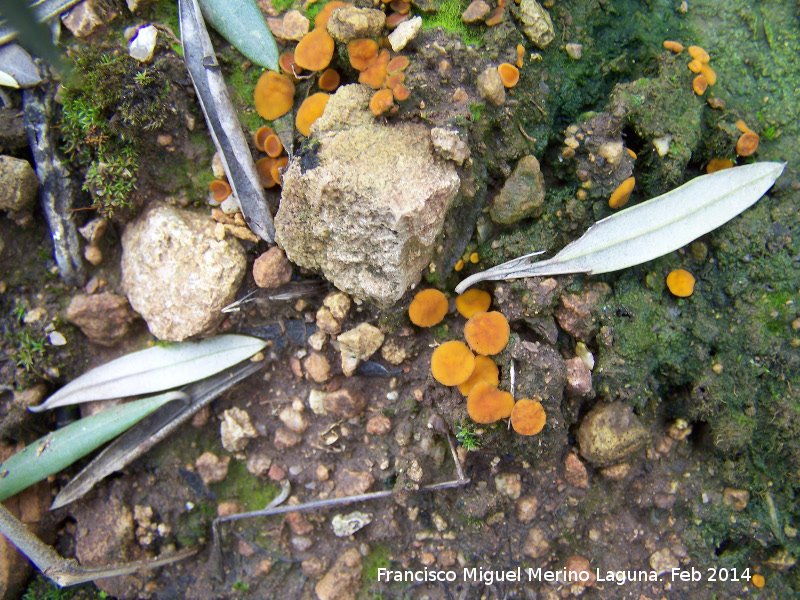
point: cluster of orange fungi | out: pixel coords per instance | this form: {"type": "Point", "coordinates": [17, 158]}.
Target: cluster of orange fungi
{"type": "Point", "coordinates": [699, 64]}
{"type": "Point", "coordinates": [269, 168]}
{"type": "Point", "coordinates": [472, 257]}
{"type": "Point", "coordinates": [274, 92]}
{"type": "Point", "coordinates": [469, 365]}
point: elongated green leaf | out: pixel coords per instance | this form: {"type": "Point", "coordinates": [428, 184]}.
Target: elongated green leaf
{"type": "Point", "coordinates": [242, 24]}
{"type": "Point", "coordinates": [650, 229]}
{"type": "Point", "coordinates": [156, 369]}
{"type": "Point", "coordinates": [63, 447]}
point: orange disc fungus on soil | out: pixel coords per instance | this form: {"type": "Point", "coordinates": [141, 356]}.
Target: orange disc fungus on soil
{"type": "Point", "coordinates": [473, 301]}
{"type": "Point", "coordinates": [496, 17]}
{"type": "Point", "coordinates": [459, 265]}
{"type": "Point", "coordinates": [452, 363]}
{"type": "Point", "coordinates": [400, 92]}
{"type": "Point", "coordinates": [695, 66]}
{"type": "Point", "coordinates": [219, 189]}
{"type": "Point", "coordinates": [620, 196]}
{"type": "Point", "coordinates": [742, 126]}
{"type": "Point", "coordinates": [315, 51]}
{"type": "Point", "coordinates": [709, 74]}
{"type": "Point", "coordinates": [264, 170]}
{"type": "Point", "coordinates": [274, 95]}
{"type": "Point", "coordinates": [747, 144]}
{"type": "Point", "coordinates": [288, 66]}
{"type": "Point", "coordinates": [474, 258]}
{"type": "Point", "coordinates": [428, 308]}
{"type": "Point", "coordinates": [400, 6]}
{"type": "Point", "coordinates": [329, 80]}
{"type": "Point", "coordinates": [375, 75]}
{"type": "Point", "coordinates": [487, 333]}
{"type": "Point", "coordinates": [528, 417]}
{"type": "Point", "coordinates": [699, 85]}
{"type": "Point", "coordinates": [394, 19]}
{"type": "Point", "coordinates": [681, 283]}
{"type": "Point", "coordinates": [321, 20]}
{"type": "Point", "coordinates": [520, 55]}
{"type": "Point", "coordinates": [362, 53]}
{"type": "Point", "coordinates": [675, 47]}
{"type": "Point", "coordinates": [260, 137]}
{"type": "Point", "coordinates": [395, 80]}
{"type": "Point", "coordinates": [397, 64]}
{"type": "Point", "coordinates": [486, 404]}
{"type": "Point", "coordinates": [718, 164]}
{"type": "Point", "coordinates": [509, 74]}
{"type": "Point", "coordinates": [759, 581]}
{"type": "Point", "coordinates": [381, 101]}
{"type": "Point", "coordinates": [273, 146]}
{"type": "Point", "coordinates": [310, 110]}
{"type": "Point", "coordinates": [485, 370]}
{"type": "Point", "coordinates": [697, 53]}
{"type": "Point", "coordinates": [275, 170]}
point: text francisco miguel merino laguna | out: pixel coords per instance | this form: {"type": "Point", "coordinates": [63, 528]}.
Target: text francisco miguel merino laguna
{"type": "Point", "coordinates": [492, 576]}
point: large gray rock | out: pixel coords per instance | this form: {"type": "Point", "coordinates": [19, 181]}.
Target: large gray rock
{"type": "Point", "coordinates": [366, 205]}
{"type": "Point", "coordinates": [522, 195]}
{"type": "Point", "coordinates": [536, 23]}
{"type": "Point", "coordinates": [177, 274]}
{"type": "Point", "coordinates": [609, 433]}
{"type": "Point", "coordinates": [350, 23]}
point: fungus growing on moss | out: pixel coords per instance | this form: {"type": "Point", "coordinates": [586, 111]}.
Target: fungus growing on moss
{"type": "Point", "coordinates": [428, 308]}
{"type": "Point", "coordinates": [381, 101]}
{"type": "Point", "coordinates": [260, 137]}
{"type": "Point", "coordinates": [486, 404]}
{"type": "Point", "coordinates": [747, 144]}
{"type": "Point", "coordinates": [697, 53]}
{"type": "Point", "coordinates": [485, 370]}
{"type": "Point", "coordinates": [363, 53]}
{"type": "Point", "coordinates": [520, 55]}
{"type": "Point", "coordinates": [487, 333]}
{"type": "Point", "coordinates": [718, 164]}
{"type": "Point", "coordinates": [274, 95]}
{"type": "Point", "coordinates": [709, 74]}
{"type": "Point", "coordinates": [528, 417]}
{"type": "Point", "coordinates": [695, 66]}
{"type": "Point", "coordinates": [375, 75]}
{"type": "Point", "coordinates": [509, 74]}
{"type": "Point", "coordinates": [321, 20]}
{"type": "Point", "coordinates": [699, 85]}
{"type": "Point", "coordinates": [758, 581]}
{"type": "Point", "coordinates": [329, 80]}
{"type": "Point", "coordinates": [459, 265]}
{"type": "Point", "coordinates": [473, 301]}
{"type": "Point", "coordinates": [219, 189]}
{"type": "Point", "coordinates": [452, 363]}
{"type": "Point", "coordinates": [264, 170]}
{"type": "Point", "coordinates": [680, 283]}
{"type": "Point", "coordinates": [474, 258]}
{"type": "Point", "coordinates": [310, 110]}
{"type": "Point", "coordinates": [273, 146]}
{"type": "Point", "coordinates": [621, 195]}
{"type": "Point", "coordinates": [742, 126]}
{"type": "Point", "coordinates": [315, 51]}
{"type": "Point", "coordinates": [675, 47]}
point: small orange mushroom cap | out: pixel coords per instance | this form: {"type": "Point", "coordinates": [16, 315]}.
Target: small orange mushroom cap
{"type": "Point", "coordinates": [273, 146]}
{"type": "Point", "coordinates": [509, 74]}
{"type": "Point", "coordinates": [381, 101]}
{"type": "Point", "coordinates": [363, 53]}
{"type": "Point", "coordinates": [400, 92]}
{"type": "Point", "coordinates": [528, 417]}
{"type": "Point", "coordinates": [275, 170]}
{"type": "Point", "coordinates": [375, 75]}
{"type": "Point", "coordinates": [219, 189]}
{"type": "Point", "coordinates": [397, 64]}
{"type": "Point", "coordinates": [310, 110]}
{"type": "Point", "coordinates": [699, 85]}
{"type": "Point", "coordinates": [709, 74]}
{"type": "Point", "coordinates": [758, 580]}
{"type": "Point", "coordinates": [274, 95]}
{"type": "Point", "coordinates": [675, 47]}
{"type": "Point", "coordinates": [496, 17]}
{"type": "Point", "coordinates": [621, 195]}
{"type": "Point", "coordinates": [473, 301]}
{"type": "Point", "coordinates": [260, 137]}
{"type": "Point", "coordinates": [486, 404]}
{"type": "Point", "coordinates": [487, 333]}
{"type": "Point", "coordinates": [452, 363]}
{"type": "Point", "coordinates": [315, 51]}
{"type": "Point", "coordinates": [697, 53]}
{"type": "Point", "coordinates": [264, 170]}
{"type": "Point", "coordinates": [485, 370]}
{"type": "Point", "coordinates": [718, 164]}
{"type": "Point", "coordinates": [520, 55]}
{"type": "Point", "coordinates": [681, 283]}
{"type": "Point", "coordinates": [695, 66]}
{"type": "Point", "coordinates": [747, 144]}
{"type": "Point", "coordinates": [428, 308]}
{"type": "Point", "coordinates": [329, 80]}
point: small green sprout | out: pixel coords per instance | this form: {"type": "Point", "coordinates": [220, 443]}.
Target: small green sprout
{"type": "Point", "coordinates": [467, 438]}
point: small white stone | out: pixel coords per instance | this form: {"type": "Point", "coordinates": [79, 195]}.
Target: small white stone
{"type": "Point", "coordinates": [57, 339]}
{"type": "Point", "coordinates": [662, 144]}
{"type": "Point", "coordinates": [144, 44]}
{"type": "Point", "coordinates": [346, 525]}
{"type": "Point", "coordinates": [404, 33]}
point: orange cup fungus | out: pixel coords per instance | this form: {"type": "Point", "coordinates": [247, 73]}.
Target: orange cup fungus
{"type": "Point", "coordinates": [473, 301]}
{"type": "Point", "coordinates": [375, 74]}
{"type": "Point", "coordinates": [742, 126]}
{"type": "Point", "coordinates": [394, 19]}
{"type": "Point", "coordinates": [747, 144]}
{"type": "Point", "coordinates": [315, 51]}
{"type": "Point", "coordinates": [219, 189]}
{"type": "Point", "coordinates": [718, 164]}
{"type": "Point", "coordinates": [485, 370]}
{"type": "Point", "coordinates": [520, 55]}
{"type": "Point", "coordinates": [400, 6]}
{"type": "Point", "coordinates": [260, 137]}
{"type": "Point", "coordinates": [264, 170]}
{"type": "Point", "coordinates": [452, 363]}
{"type": "Point", "coordinates": [310, 110]}
{"type": "Point", "coordinates": [321, 20]}
{"type": "Point", "coordinates": [758, 581]}
{"type": "Point", "coordinates": [273, 146]}
{"type": "Point", "coordinates": [395, 80]}
{"type": "Point", "coordinates": [381, 101]}
{"type": "Point", "coordinates": [274, 95]}
{"type": "Point", "coordinates": [699, 85]}
{"type": "Point", "coordinates": [329, 80]}
{"type": "Point", "coordinates": [400, 92]}
{"type": "Point", "coordinates": [697, 53]}
{"type": "Point", "coordinates": [486, 404]}
{"type": "Point", "coordinates": [695, 66]}
{"type": "Point", "coordinates": [709, 74]}
{"type": "Point", "coordinates": [428, 308]}
{"type": "Point", "coordinates": [288, 66]}
{"type": "Point", "coordinates": [675, 47]}
{"type": "Point", "coordinates": [487, 333]}
{"type": "Point", "coordinates": [474, 258]}
{"type": "Point", "coordinates": [459, 265]}
{"type": "Point", "coordinates": [681, 283]}
{"type": "Point", "coordinates": [621, 195]}
{"type": "Point", "coordinates": [363, 53]}
{"type": "Point", "coordinates": [275, 170]}
{"type": "Point", "coordinates": [397, 65]}
{"type": "Point", "coordinates": [528, 417]}
{"type": "Point", "coordinates": [509, 74]}
{"type": "Point", "coordinates": [496, 17]}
